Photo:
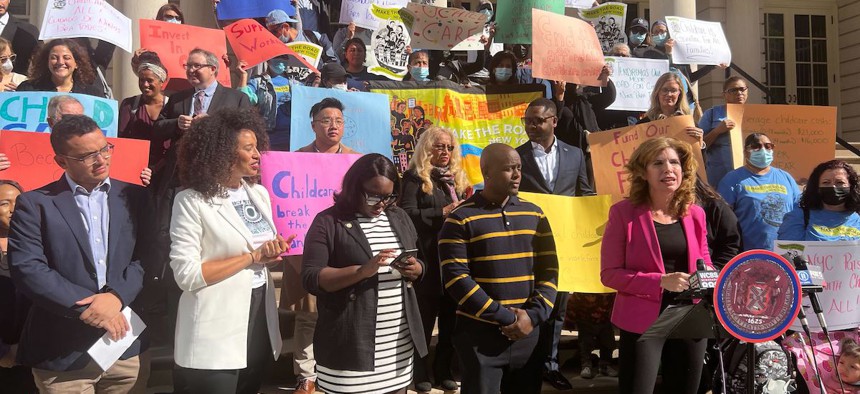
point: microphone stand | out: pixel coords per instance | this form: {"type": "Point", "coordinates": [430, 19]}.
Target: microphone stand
{"type": "Point", "coordinates": [801, 264]}
{"type": "Point", "coordinates": [803, 323]}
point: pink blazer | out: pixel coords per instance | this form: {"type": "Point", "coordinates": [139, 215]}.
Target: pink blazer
{"type": "Point", "coordinates": [631, 263]}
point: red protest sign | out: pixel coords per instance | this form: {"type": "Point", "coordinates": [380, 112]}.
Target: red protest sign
{"type": "Point", "coordinates": [173, 41]}
{"type": "Point", "coordinates": [33, 162]}
{"type": "Point", "coordinates": [565, 49]}
{"type": "Point", "coordinates": [255, 44]}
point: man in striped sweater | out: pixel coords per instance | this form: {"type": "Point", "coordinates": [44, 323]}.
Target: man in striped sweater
{"type": "Point", "coordinates": [500, 266]}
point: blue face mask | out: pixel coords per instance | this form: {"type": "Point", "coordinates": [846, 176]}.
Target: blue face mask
{"type": "Point", "coordinates": [660, 39]}
{"type": "Point", "coordinates": [761, 158]}
{"type": "Point", "coordinates": [173, 20]}
{"type": "Point", "coordinates": [420, 74]}
{"type": "Point", "coordinates": [637, 38]}
{"type": "Point", "coordinates": [278, 66]}
{"type": "Point", "coordinates": [503, 74]}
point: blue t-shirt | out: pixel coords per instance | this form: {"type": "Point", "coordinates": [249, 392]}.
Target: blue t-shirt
{"type": "Point", "coordinates": [720, 151]}
{"type": "Point", "coordinates": [759, 202]}
{"type": "Point", "coordinates": [823, 225]}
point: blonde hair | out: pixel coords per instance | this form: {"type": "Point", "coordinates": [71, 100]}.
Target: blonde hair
{"type": "Point", "coordinates": [638, 166]}
{"type": "Point", "coordinates": [4, 43]}
{"type": "Point", "coordinates": [655, 112]}
{"type": "Point", "coordinates": [423, 152]}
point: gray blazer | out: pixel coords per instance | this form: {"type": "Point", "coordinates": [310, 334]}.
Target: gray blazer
{"type": "Point", "coordinates": [572, 177]}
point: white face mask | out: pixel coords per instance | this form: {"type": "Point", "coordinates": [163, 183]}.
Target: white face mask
{"type": "Point", "coordinates": [7, 66]}
{"type": "Point", "coordinates": [340, 86]}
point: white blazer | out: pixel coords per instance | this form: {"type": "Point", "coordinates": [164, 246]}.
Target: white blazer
{"type": "Point", "coordinates": [212, 322]}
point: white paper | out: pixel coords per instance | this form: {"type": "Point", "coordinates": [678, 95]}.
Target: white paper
{"type": "Point", "coordinates": [86, 18]}
{"type": "Point", "coordinates": [106, 351]}
{"type": "Point", "coordinates": [358, 11]}
{"type": "Point", "coordinates": [634, 78]}
{"type": "Point", "coordinates": [698, 42]}
{"type": "Point", "coordinates": [578, 3]}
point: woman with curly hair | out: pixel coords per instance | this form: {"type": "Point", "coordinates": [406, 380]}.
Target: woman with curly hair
{"type": "Point", "coordinates": [828, 208]}
{"type": "Point", "coordinates": [61, 65]}
{"type": "Point", "coordinates": [434, 185]}
{"type": "Point", "coordinates": [650, 247]}
{"type": "Point", "coordinates": [223, 240]}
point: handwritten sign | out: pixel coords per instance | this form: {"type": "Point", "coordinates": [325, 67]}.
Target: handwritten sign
{"type": "Point", "coordinates": [301, 185]}
{"type": "Point", "coordinates": [578, 3]}
{"type": "Point", "coordinates": [577, 227]}
{"type": "Point", "coordinates": [514, 18]}
{"type": "Point", "coordinates": [387, 53]}
{"type": "Point", "coordinates": [359, 11]}
{"type": "Point", "coordinates": [840, 263]}
{"type": "Point", "coordinates": [240, 9]}
{"type": "Point", "coordinates": [28, 111]}
{"type": "Point", "coordinates": [698, 42]}
{"type": "Point", "coordinates": [608, 20]}
{"type": "Point", "coordinates": [33, 162]}
{"type": "Point", "coordinates": [634, 78]}
{"type": "Point", "coordinates": [565, 49]}
{"type": "Point", "coordinates": [173, 42]}
{"type": "Point", "coordinates": [86, 18]}
{"type": "Point", "coordinates": [437, 3]}
{"type": "Point", "coordinates": [255, 44]}
{"type": "Point", "coordinates": [805, 136]}
{"type": "Point", "coordinates": [444, 28]}
{"type": "Point", "coordinates": [615, 147]}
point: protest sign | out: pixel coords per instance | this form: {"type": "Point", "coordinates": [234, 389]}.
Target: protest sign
{"type": "Point", "coordinates": [301, 66]}
{"type": "Point", "coordinates": [366, 119]}
{"type": "Point", "coordinates": [173, 42]}
{"type": "Point", "coordinates": [565, 49]}
{"type": "Point", "coordinates": [240, 9]}
{"type": "Point", "coordinates": [578, 3]}
{"type": "Point", "coordinates": [437, 3]}
{"type": "Point", "coordinates": [255, 44]}
{"type": "Point", "coordinates": [608, 20]}
{"type": "Point", "coordinates": [33, 162]}
{"type": "Point", "coordinates": [577, 227]}
{"type": "Point", "coordinates": [444, 28]}
{"type": "Point", "coordinates": [478, 116]}
{"type": "Point", "coordinates": [804, 135]}
{"type": "Point", "coordinates": [613, 149]}
{"type": "Point", "coordinates": [359, 11]}
{"type": "Point", "coordinates": [85, 18]}
{"type": "Point", "coordinates": [840, 264]}
{"type": "Point", "coordinates": [698, 42]}
{"type": "Point", "coordinates": [301, 185]}
{"type": "Point", "coordinates": [28, 111]}
{"type": "Point", "coordinates": [514, 18]}
{"type": "Point", "coordinates": [634, 78]}
{"type": "Point", "coordinates": [387, 53]}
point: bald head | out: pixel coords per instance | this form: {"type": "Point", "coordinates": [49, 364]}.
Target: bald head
{"type": "Point", "coordinates": [494, 153]}
{"type": "Point", "coordinates": [500, 166]}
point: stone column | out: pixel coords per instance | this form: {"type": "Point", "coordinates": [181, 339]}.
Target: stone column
{"type": "Point", "coordinates": [746, 49]}
{"type": "Point", "coordinates": [683, 8]}
{"type": "Point", "coordinates": [198, 13]}
{"type": "Point", "coordinates": [124, 81]}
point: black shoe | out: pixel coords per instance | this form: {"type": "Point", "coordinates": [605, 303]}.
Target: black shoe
{"type": "Point", "coordinates": [423, 387]}
{"type": "Point", "coordinates": [557, 380]}
{"type": "Point", "coordinates": [449, 385]}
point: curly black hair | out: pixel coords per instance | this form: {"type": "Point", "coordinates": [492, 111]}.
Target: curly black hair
{"type": "Point", "coordinates": [811, 198]}
{"type": "Point", "coordinates": [207, 152]}
{"type": "Point", "coordinates": [40, 69]}
{"type": "Point", "coordinates": [495, 61]}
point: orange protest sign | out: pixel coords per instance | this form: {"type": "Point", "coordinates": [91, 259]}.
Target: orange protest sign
{"type": "Point", "coordinates": [565, 49]}
{"type": "Point", "coordinates": [612, 149]}
{"type": "Point", "coordinates": [173, 41]}
{"type": "Point", "coordinates": [255, 44]}
{"type": "Point", "coordinates": [33, 158]}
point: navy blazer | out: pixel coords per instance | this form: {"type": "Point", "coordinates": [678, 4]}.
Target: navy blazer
{"type": "Point", "coordinates": [51, 262]}
{"type": "Point", "coordinates": [572, 179]}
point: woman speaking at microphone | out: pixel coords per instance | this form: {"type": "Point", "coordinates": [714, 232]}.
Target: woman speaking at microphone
{"type": "Point", "coordinates": [650, 247]}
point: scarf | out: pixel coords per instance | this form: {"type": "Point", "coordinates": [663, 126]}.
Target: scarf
{"type": "Point", "coordinates": [443, 175]}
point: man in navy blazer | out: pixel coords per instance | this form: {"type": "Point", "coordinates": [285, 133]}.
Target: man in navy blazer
{"type": "Point", "coordinates": [73, 253]}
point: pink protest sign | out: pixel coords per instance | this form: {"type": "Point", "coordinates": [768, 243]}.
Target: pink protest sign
{"type": "Point", "coordinates": [565, 49]}
{"type": "Point", "coordinates": [301, 185]}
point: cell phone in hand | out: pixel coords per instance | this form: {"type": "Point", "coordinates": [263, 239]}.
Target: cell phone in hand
{"type": "Point", "coordinates": [400, 260]}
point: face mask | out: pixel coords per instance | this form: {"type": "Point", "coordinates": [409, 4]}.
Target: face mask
{"type": "Point", "coordinates": [637, 38]}
{"type": "Point", "coordinates": [279, 67]}
{"type": "Point", "coordinates": [286, 39]}
{"type": "Point", "coordinates": [173, 20]}
{"type": "Point", "coordinates": [660, 39]}
{"type": "Point", "coordinates": [421, 74]}
{"type": "Point", "coordinates": [761, 158]}
{"type": "Point", "coordinates": [7, 66]}
{"type": "Point", "coordinates": [833, 195]}
{"type": "Point", "coordinates": [503, 74]}
{"type": "Point", "coordinates": [340, 86]}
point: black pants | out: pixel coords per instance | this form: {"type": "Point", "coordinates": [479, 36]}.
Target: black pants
{"type": "Point", "coordinates": [431, 305]}
{"type": "Point", "coordinates": [550, 333]}
{"type": "Point", "coordinates": [491, 363]}
{"type": "Point", "coordinates": [229, 381]}
{"type": "Point", "coordinates": [639, 362]}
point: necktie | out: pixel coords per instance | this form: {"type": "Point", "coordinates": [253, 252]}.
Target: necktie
{"type": "Point", "coordinates": [198, 102]}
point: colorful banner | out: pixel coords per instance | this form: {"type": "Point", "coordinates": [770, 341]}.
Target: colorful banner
{"type": "Point", "coordinates": [698, 42]}
{"type": "Point", "coordinates": [578, 3]}
{"type": "Point", "coordinates": [514, 19]}
{"type": "Point", "coordinates": [301, 185]}
{"type": "Point", "coordinates": [173, 42]}
{"type": "Point", "coordinates": [613, 148]}
{"type": "Point", "coordinates": [28, 111]}
{"type": "Point", "coordinates": [565, 49]}
{"type": "Point", "coordinates": [478, 116]}
{"type": "Point", "coordinates": [240, 9]}
{"type": "Point", "coordinates": [365, 115]}
{"type": "Point", "coordinates": [444, 28]}
{"type": "Point", "coordinates": [634, 78]}
{"type": "Point", "coordinates": [608, 20]}
{"type": "Point", "coordinates": [85, 18]}
{"type": "Point", "coordinates": [33, 162]}
{"type": "Point", "coordinates": [359, 11]}
{"type": "Point", "coordinates": [255, 44]}
{"type": "Point", "coordinates": [387, 53]}
{"type": "Point", "coordinates": [309, 55]}
{"type": "Point", "coordinates": [577, 227]}
{"type": "Point", "coordinates": [804, 135]}
{"type": "Point", "coordinates": [840, 264]}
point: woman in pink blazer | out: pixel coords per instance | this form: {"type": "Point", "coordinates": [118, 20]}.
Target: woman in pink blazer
{"type": "Point", "coordinates": [650, 248]}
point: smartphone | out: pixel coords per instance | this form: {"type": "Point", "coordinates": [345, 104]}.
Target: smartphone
{"type": "Point", "coordinates": [403, 256]}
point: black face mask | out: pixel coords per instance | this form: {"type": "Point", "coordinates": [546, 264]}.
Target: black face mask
{"type": "Point", "coordinates": [833, 195]}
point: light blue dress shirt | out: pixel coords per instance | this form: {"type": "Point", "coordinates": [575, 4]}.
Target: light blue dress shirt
{"type": "Point", "coordinates": [96, 216]}
{"type": "Point", "coordinates": [209, 92]}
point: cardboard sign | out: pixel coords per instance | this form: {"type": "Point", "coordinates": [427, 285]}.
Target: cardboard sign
{"type": "Point", "coordinates": [437, 3]}
{"type": "Point", "coordinates": [444, 28]}
{"type": "Point", "coordinates": [565, 49]}
{"type": "Point", "coordinates": [514, 18]}
{"type": "Point", "coordinates": [359, 11]}
{"type": "Point", "coordinates": [387, 55]}
{"type": "Point", "coordinates": [85, 18]}
{"type": "Point", "coordinates": [173, 42]}
{"type": "Point", "coordinates": [301, 185]}
{"type": "Point", "coordinates": [255, 44]}
{"type": "Point", "coordinates": [613, 148]}
{"type": "Point", "coordinates": [634, 78]}
{"type": "Point", "coordinates": [577, 227]}
{"type": "Point", "coordinates": [698, 42]}
{"type": "Point", "coordinates": [28, 111]}
{"type": "Point", "coordinates": [240, 9]}
{"type": "Point", "coordinates": [805, 136]}
{"type": "Point", "coordinates": [33, 162]}
{"type": "Point", "coordinates": [608, 20]}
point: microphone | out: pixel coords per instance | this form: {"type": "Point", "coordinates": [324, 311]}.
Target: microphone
{"type": "Point", "coordinates": [703, 281]}
{"type": "Point", "coordinates": [812, 281]}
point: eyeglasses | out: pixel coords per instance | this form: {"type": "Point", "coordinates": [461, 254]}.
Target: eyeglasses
{"type": "Point", "coordinates": [536, 121]}
{"type": "Point", "coordinates": [90, 159]}
{"type": "Point", "coordinates": [373, 199]}
{"type": "Point", "coordinates": [758, 145]}
{"type": "Point", "coordinates": [742, 89]}
{"type": "Point", "coordinates": [669, 91]}
{"type": "Point", "coordinates": [328, 122]}
{"type": "Point", "coordinates": [5, 58]}
{"type": "Point", "coordinates": [442, 147]}
{"type": "Point", "coordinates": [195, 67]}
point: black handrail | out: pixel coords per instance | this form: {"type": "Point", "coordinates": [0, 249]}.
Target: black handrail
{"type": "Point", "coordinates": [748, 77]}
{"type": "Point", "coordinates": [847, 145]}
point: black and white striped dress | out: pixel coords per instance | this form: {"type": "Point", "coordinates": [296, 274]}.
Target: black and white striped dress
{"type": "Point", "coordinates": [393, 350]}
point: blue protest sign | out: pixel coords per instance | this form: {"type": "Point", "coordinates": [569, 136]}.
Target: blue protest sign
{"type": "Point", "coordinates": [28, 111]}
{"type": "Point", "coordinates": [241, 9]}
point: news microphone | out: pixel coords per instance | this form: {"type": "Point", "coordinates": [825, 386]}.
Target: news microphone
{"type": "Point", "coordinates": [813, 283]}
{"type": "Point", "coordinates": [704, 280]}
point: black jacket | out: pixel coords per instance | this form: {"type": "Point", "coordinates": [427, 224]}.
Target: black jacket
{"type": "Point", "coordinates": [24, 38]}
{"type": "Point", "coordinates": [577, 113]}
{"type": "Point", "coordinates": [572, 177]}
{"type": "Point", "coordinates": [724, 235]}
{"type": "Point", "coordinates": [46, 85]}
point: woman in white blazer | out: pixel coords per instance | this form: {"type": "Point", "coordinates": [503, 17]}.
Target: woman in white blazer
{"type": "Point", "coordinates": [223, 238]}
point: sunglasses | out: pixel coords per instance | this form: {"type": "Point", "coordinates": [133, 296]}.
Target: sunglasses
{"type": "Point", "coordinates": [758, 145]}
{"type": "Point", "coordinates": [372, 199]}
{"type": "Point", "coordinates": [441, 147]}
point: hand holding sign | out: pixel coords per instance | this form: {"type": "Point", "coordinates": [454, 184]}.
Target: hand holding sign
{"type": "Point", "coordinates": [255, 44]}
{"type": "Point", "coordinates": [173, 42]}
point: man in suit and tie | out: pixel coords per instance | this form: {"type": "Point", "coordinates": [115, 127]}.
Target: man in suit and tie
{"type": "Point", "coordinates": [73, 252]}
{"type": "Point", "coordinates": [23, 36]}
{"type": "Point", "coordinates": [551, 166]}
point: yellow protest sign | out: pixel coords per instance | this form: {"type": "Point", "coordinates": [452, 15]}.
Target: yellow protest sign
{"type": "Point", "coordinates": [577, 227]}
